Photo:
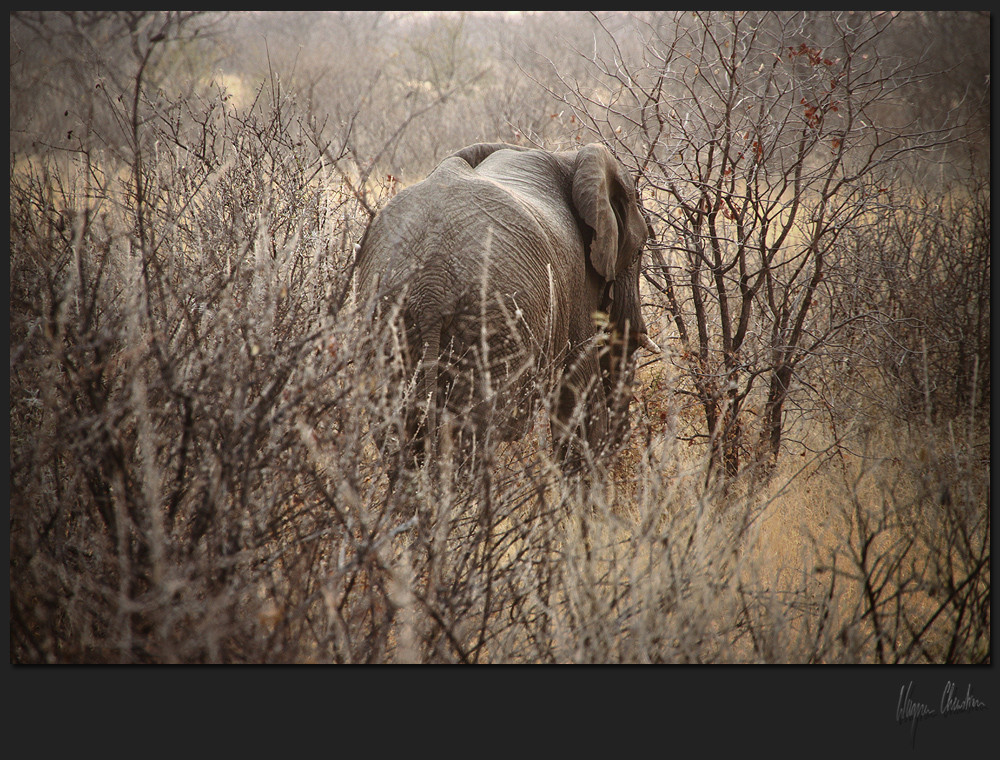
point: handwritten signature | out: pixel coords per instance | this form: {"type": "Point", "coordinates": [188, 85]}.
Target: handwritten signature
{"type": "Point", "coordinates": [908, 709]}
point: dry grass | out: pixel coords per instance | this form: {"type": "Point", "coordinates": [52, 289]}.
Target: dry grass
{"type": "Point", "coordinates": [203, 469]}
{"type": "Point", "coordinates": [886, 549]}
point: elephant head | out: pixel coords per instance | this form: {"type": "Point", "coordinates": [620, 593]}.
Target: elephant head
{"type": "Point", "coordinates": [604, 196]}
{"type": "Point", "coordinates": [502, 265]}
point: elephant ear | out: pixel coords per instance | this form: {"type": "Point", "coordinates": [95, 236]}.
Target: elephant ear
{"type": "Point", "coordinates": [473, 155]}
{"type": "Point", "coordinates": [606, 203]}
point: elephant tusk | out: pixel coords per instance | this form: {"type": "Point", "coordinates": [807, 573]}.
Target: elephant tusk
{"type": "Point", "coordinates": [647, 343]}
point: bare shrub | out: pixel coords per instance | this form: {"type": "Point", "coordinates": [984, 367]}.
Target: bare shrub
{"type": "Point", "coordinates": [766, 142]}
{"type": "Point", "coordinates": [935, 256]}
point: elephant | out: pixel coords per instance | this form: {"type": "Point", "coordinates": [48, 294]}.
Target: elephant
{"type": "Point", "coordinates": [512, 275]}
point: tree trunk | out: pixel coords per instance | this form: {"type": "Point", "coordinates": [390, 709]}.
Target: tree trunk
{"type": "Point", "coordinates": [771, 431]}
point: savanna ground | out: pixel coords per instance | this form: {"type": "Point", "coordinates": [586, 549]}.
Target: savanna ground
{"type": "Point", "coordinates": [197, 470]}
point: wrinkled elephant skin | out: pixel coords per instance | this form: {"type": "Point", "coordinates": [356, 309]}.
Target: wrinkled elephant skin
{"type": "Point", "coordinates": [501, 266]}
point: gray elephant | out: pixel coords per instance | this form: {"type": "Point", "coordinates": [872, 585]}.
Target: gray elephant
{"type": "Point", "coordinates": [513, 275]}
